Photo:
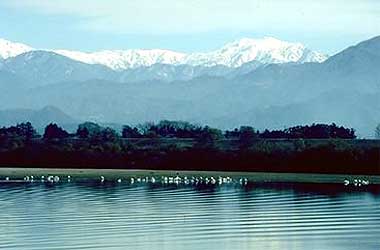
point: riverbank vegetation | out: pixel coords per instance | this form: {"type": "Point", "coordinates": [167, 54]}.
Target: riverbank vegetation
{"type": "Point", "coordinates": [176, 145]}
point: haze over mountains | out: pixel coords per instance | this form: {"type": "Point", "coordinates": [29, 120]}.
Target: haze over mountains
{"type": "Point", "coordinates": [265, 83]}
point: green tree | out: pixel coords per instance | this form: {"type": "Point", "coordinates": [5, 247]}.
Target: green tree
{"type": "Point", "coordinates": [52, 131]}
{"type": "Point", "coordinates": [108, 135]}
{"type": "Point", "coordinates": [208, 137]}
{"type": "Point", "coordinates": [88, 129]}
{"type": "Point", "coordinates": [212, 134]}
{"type": "Point", "coordinates": [247, 135]}
{"type": "Point", "coordinates": [26, 130]}
{"type": "Point", "coordinates": [129, 132]}
{"type": "Point", "coordinates": [83, 133]}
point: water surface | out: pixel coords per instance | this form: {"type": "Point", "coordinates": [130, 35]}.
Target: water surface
{"type": "Point", "coordinates": [146, 216]}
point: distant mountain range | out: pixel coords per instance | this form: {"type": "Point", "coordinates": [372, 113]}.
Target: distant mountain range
{"type": "Point", "coordinates": [41, 67]}
{"type": "Point", "coordinates": [267, 50]}
{"type": "Point", "coordinates": [252, 89]}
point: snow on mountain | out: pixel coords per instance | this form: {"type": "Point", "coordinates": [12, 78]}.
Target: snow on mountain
{"type": "Point", "coordinates": [125, 59]}
{"type": "Point", "coordinates": [266, 50]}
{"type": "Point", "coordinates": [11, 49]}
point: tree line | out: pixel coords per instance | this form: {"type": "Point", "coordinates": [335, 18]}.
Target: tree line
{"type": "Point", "coordinates": [242, 149]}
{"type": "Point", "coordinates": [180, 129]}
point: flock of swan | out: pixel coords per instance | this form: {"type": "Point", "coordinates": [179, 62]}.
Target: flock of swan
{"type": "Point", "coordinates": [356, 182]}
{"type": "Point", "coordinates": [193, 180]}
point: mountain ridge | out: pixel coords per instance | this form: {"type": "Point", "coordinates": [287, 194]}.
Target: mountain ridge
{"type": "Point", "coordinates": [38, 117]}
{"type": "Point", "coordinates": [234, 54]}
{"type": "Point", "coordinates": [344, 89]}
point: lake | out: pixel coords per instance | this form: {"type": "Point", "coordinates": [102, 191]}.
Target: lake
{"type": "Point", "coordinates": [91, 215]}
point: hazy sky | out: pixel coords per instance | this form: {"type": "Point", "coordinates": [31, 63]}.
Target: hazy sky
{"type": "Point", "coordinates": [186, 25]}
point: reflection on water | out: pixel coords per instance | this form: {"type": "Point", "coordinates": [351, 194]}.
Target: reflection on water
{"type": "Point", "coordinates": [109, 216]}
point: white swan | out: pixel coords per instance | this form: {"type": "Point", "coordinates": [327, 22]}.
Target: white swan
{"type": "Point", "coordinates": [171, 179]}
{"type": "Point", "coordinates": [220, 180]}
{"type": "Point", "coordinates": [50, 178]}
{"type": "Point", "coordinates": [212, 180]}
{"type": "Point", "coordinates": [177, 180]}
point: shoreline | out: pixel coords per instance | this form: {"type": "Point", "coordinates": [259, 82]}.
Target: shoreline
{"type": "Point", "coordinates": [114, 174]}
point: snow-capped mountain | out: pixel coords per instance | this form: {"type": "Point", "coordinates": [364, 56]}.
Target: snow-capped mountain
{"type": "Point", "coordinates": [266, 51]}
{"type": "Point", "coordinates": [12, 49]}
{"type": "Point", "coordinates": [344, 89]}
{"type": "Point", "coordinates": [125, 59]}
{"type": "Point", "coordinates": [40, 68]}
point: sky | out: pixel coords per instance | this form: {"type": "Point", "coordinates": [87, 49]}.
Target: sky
{"type": "Point", "coordinates": [186, 25]}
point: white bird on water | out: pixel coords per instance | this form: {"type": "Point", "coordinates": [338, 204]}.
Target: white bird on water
{"type": "Point", "coordinates": [365, 182]}
{"type": "Point", "coordinates": [213, 181]}
{"type": "Point", "coordinates": [357, 182]}
{"type": "Point", "coordinates": [186, 181]}
{"type": "Point", "coordinates": [171, 179]}
{"type": "Point", "coordinates": [50, 178]}
{"type": "Point", "coordinates": [102, 178]}
{"type": "Point", "coordinates": [177, 180]}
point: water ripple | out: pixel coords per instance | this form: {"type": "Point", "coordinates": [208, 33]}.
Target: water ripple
{"type": "Point", "coordinates": [94, 216]}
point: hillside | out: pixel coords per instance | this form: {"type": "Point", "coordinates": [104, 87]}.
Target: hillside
{"type": "Point", "coordinates": [344, 89]}
{"type": "Point", "coordinates": [39, 118]}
